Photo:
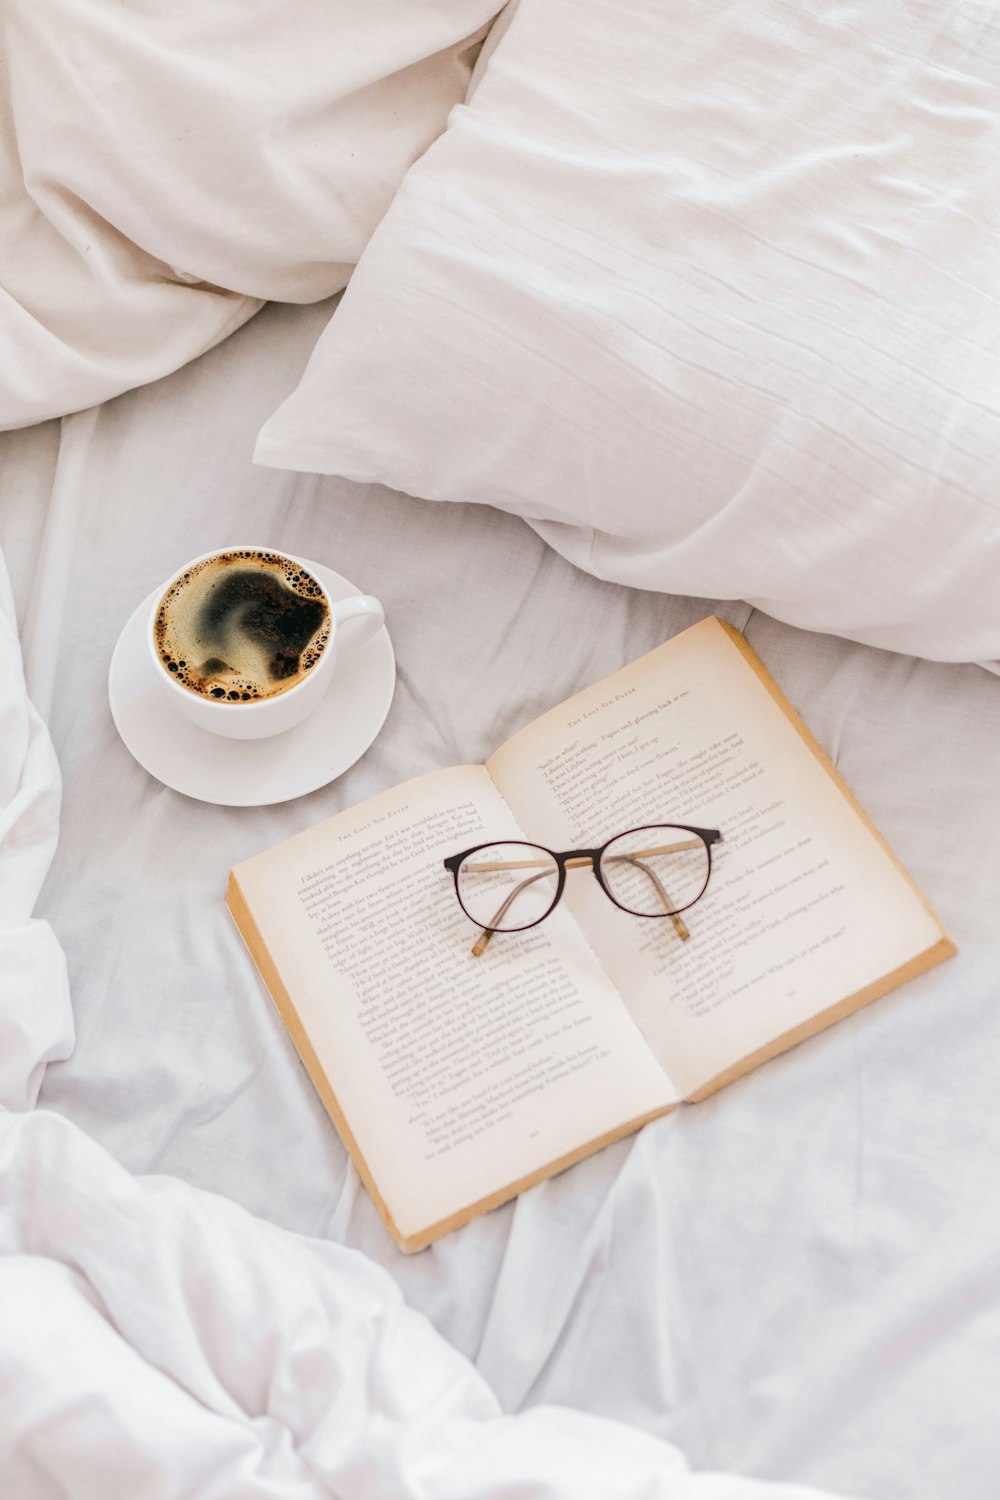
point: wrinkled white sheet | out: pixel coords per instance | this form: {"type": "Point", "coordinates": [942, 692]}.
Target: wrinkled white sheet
{"type": "Point", "coordinates": [156, 1340]}
{"type": "Point", "coordinates": [166, 167]}
{"type": "Point", "coordinates": [796, 1280]}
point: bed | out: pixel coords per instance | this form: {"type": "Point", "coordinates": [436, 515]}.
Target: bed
{"type": "Point", "coordinates": [794, 1283]}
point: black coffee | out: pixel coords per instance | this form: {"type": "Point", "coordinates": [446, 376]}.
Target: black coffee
{"type": "Point", "coordinates": [242, 626]}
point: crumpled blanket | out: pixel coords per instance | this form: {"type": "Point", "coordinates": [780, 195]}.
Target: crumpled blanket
{"type": "Point", "coordinates": [159, 1341]}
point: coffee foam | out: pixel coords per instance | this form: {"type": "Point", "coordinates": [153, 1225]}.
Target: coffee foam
{"type": "Point", "coordinates": [242, 626]}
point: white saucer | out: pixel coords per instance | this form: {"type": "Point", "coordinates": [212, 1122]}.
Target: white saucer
{"type": "Point", "coordinates": [250, 773]}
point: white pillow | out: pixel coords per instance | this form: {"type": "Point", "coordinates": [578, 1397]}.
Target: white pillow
{"type": "Point", "coordinates": [166, 167]}
{"type": "Point", "coordinates": [711, 296]}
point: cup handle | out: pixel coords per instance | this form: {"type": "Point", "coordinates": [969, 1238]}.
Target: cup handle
{"type": "Point", "coordinates": [369, 614]}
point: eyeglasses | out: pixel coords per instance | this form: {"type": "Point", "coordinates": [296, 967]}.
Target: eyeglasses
{"type": "Point", "coordinates": [659, 870]}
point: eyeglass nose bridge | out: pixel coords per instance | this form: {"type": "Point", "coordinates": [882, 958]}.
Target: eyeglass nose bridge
{"type": "Point", "coordinates": [579, 859]}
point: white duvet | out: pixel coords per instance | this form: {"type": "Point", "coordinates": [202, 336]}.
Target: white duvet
{"type": "Point", "coordinates": [159, 1341]}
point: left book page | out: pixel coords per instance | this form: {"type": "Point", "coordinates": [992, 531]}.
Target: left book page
{"type": "Point", "coordinates": [455, 1084]}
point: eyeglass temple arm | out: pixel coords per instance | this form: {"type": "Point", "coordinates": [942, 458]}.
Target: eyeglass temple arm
{"type": "Point", "coordinates": [479, 947]}
{"type": "Point", "coordinates": [493, 865]}
{"type": "Point", "coordinates": [679, 925]}
{"type": "Point", "coordinates": [676, 921]}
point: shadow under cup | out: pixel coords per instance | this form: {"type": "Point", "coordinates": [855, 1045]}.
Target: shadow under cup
{"type": "Point", "coordinates": [240, 620]}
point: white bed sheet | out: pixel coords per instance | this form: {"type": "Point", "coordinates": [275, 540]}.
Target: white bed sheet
{"type": "Point", "coordinates": [159, 1340]}
{"type": "Point", "coordinates": [797, 1279]}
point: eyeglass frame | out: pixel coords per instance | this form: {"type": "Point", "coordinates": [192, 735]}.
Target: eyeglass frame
{"type": "Point", "coordinates": [571, 857]}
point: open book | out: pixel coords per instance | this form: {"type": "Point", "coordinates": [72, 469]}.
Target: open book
{"type": "Point", "coordinates": [456, 1081]}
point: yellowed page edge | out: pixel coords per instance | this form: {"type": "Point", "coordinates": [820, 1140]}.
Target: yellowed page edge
{"type": "Point", "coordinates": [797, 722]}
{"type": "Point", "coordinates": [256, 947]}
{"type": "Point", "coordinates": [829, 1017]}
{"type": "Point", "coordinates": [503, 1195]}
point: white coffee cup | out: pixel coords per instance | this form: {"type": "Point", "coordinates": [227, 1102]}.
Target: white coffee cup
{"type": "Point", "coordinates": [259, 717]}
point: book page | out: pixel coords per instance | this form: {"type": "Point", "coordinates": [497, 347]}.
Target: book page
{"type": "Point", "coordinates": [456, 1075]}
{"type": "Point", "coordinates": [804, 908]}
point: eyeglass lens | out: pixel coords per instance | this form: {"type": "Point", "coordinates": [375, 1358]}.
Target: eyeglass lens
{"type": "Point", "coordinates": [655, 871]}
{"type": "Point", "coordinates": [508, 886]}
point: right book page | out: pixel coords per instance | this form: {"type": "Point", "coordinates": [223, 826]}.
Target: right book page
{"type": "Point", "coordinates": [807, 916]}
